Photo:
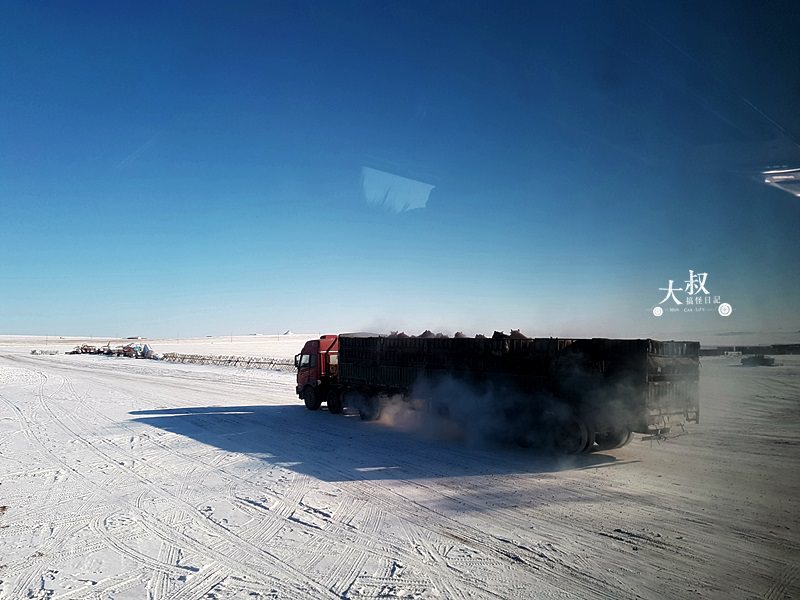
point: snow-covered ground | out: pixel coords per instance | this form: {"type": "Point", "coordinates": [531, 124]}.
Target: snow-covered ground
{"type": "Point", "coordinates": [124, 478]}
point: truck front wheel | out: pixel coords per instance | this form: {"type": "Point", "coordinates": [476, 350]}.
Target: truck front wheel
{"type": "Point", "coordinates": [310, 398]}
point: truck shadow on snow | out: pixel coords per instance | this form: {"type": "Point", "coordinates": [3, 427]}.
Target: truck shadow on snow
{"type": "Point", "coordinates": [343, 448]}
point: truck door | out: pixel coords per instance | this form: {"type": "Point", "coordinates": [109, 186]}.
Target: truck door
{"type": "Point", "coordinates": [307, 370]}
{"type": "Point", "coordinates": [306, 363]}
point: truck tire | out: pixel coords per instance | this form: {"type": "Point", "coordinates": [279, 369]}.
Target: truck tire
{"type": "Point", "coordinates": [311, 398]}
{"type": "Point", "coordinates": [572, 435]}
{"type": "Point", "coordinates": [369, 409]}
{"type": "Point", "coordinates": [624, 441]}
{"type": "Point", "coordinates": [591, 429]}
{"type": "Point", "coordinates": [335, 404]}
{"type": "Point", "coordinates": [616, 438]}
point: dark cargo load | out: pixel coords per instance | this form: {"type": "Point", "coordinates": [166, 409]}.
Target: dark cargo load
{"type": "Point", "coordinates": [658, 380]}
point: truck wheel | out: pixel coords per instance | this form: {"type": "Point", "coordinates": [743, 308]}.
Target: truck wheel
{"type": "Point", "coordinates": [591, 438]}
{"type": "Point", "coordinates": [310, 398]}
{"type": "Point", "coordinates": [369, 409]}
{"type": "Point", "coordinates": [335, 404]}
{"type": "Point", "coordinates": [616, 438]}
{"type": "Point", "coordinates": [624, 441]}
{"type": "Point", "coordinates": [572, 436]}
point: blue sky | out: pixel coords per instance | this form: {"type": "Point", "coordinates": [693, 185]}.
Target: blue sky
{"type": "Point", "coordinates": [198, 168]}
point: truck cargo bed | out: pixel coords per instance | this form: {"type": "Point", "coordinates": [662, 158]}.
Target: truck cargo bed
{"type": "Point", "coordinates": [650, 384]}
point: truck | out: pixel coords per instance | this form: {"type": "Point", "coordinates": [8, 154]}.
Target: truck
{"type": "Point", "coordinates": [576, 395]}
{"type": "Point", "coordinates": [758, 360]}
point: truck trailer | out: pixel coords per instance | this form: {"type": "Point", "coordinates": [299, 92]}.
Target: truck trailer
{"type": "Point", "coordinates": [577, 395]}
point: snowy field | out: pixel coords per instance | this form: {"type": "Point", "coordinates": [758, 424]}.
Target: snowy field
{"type": "Point", "coordinates": [124, 478]}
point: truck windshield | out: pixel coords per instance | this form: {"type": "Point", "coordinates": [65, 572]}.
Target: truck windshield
{"type": "Point", "coordinates": [307, 361]}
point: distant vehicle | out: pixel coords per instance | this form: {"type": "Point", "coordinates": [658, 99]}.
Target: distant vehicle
{"type": "Point", "coordinates": [758, 360]}
{"type": "Point", "coordinates": [86, 349]}
{"type": "Point", "coordinates": [129, 351]}
{"type": "Point", "coordinates": [579, 395]}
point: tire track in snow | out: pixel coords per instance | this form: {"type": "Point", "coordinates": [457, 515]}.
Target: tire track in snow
{"type": "Point", "coordinates": [202, 583]}
{"type": "Point", "coordinates": [25, 581]}
{"type": "Point", "coordinates": [163, 531]}
{"type": "Point", "coordinates": [100, 526]}
{"type": "Point", "coordinates": [420, 541]}
{"type": "Point", "coordinates": [354, 564]}
{"type": "Point", "coordinates": [406, 555]}
{"type": "Point", "coordinates": [503, 548]}
{"type": "Point", "coordinates": [462, 533]}
{"type": "Point", "coordinates": [275, 520]}
{"type": "Point", "coordinates": [30, 569]}
{"type": "Point", "coordinates": [347, 508]}
{"type": "Point", "coordinates": [360, 544]}
{"type": "Point", "coordinates": [781, 589]}
{"type": "Point", "coordinates": [159, 582]}
{"type": "Point", "coordinates": [571, 573]}
{"type": "Point", "coordinates": [407, 513]}
{"type": "Point", "coordinates": [213, 464]}
{"type": "Point", "coordinates": [505, 552]}
{"type": "Point", "coordinates": [266, 528]}
{"type": "Point", "coordinates": [350, 562]}
{"type": "Point", "coordinates": [200, 520]}
{"type": "Point", "coordinates": [104, 588]}
{"type": "Point", "coordinates": [270, 520]}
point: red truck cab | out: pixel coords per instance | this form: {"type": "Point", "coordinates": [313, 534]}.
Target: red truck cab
{"type": "Point", "coordinates": [317, 369]}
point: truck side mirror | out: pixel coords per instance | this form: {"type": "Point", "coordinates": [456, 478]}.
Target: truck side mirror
{"type": "Point", "coordinates": [296, 361]}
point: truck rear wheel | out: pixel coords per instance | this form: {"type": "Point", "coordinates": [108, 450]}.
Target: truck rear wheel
{"type": "Point", "coordinates": [310, 398]}
{"type": "Point", "coordinates": [591, 438]}
{"type": "Point", "coordinates": [572, 436]}
{"type": "Point", "coordinates": [369, 409]}
{"type": "Point", "coordinates": [335, 404]}
{"type": "Point", "coordinates": [616, 438]}
{"type": "Point", "coordinates": [626, 440]}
